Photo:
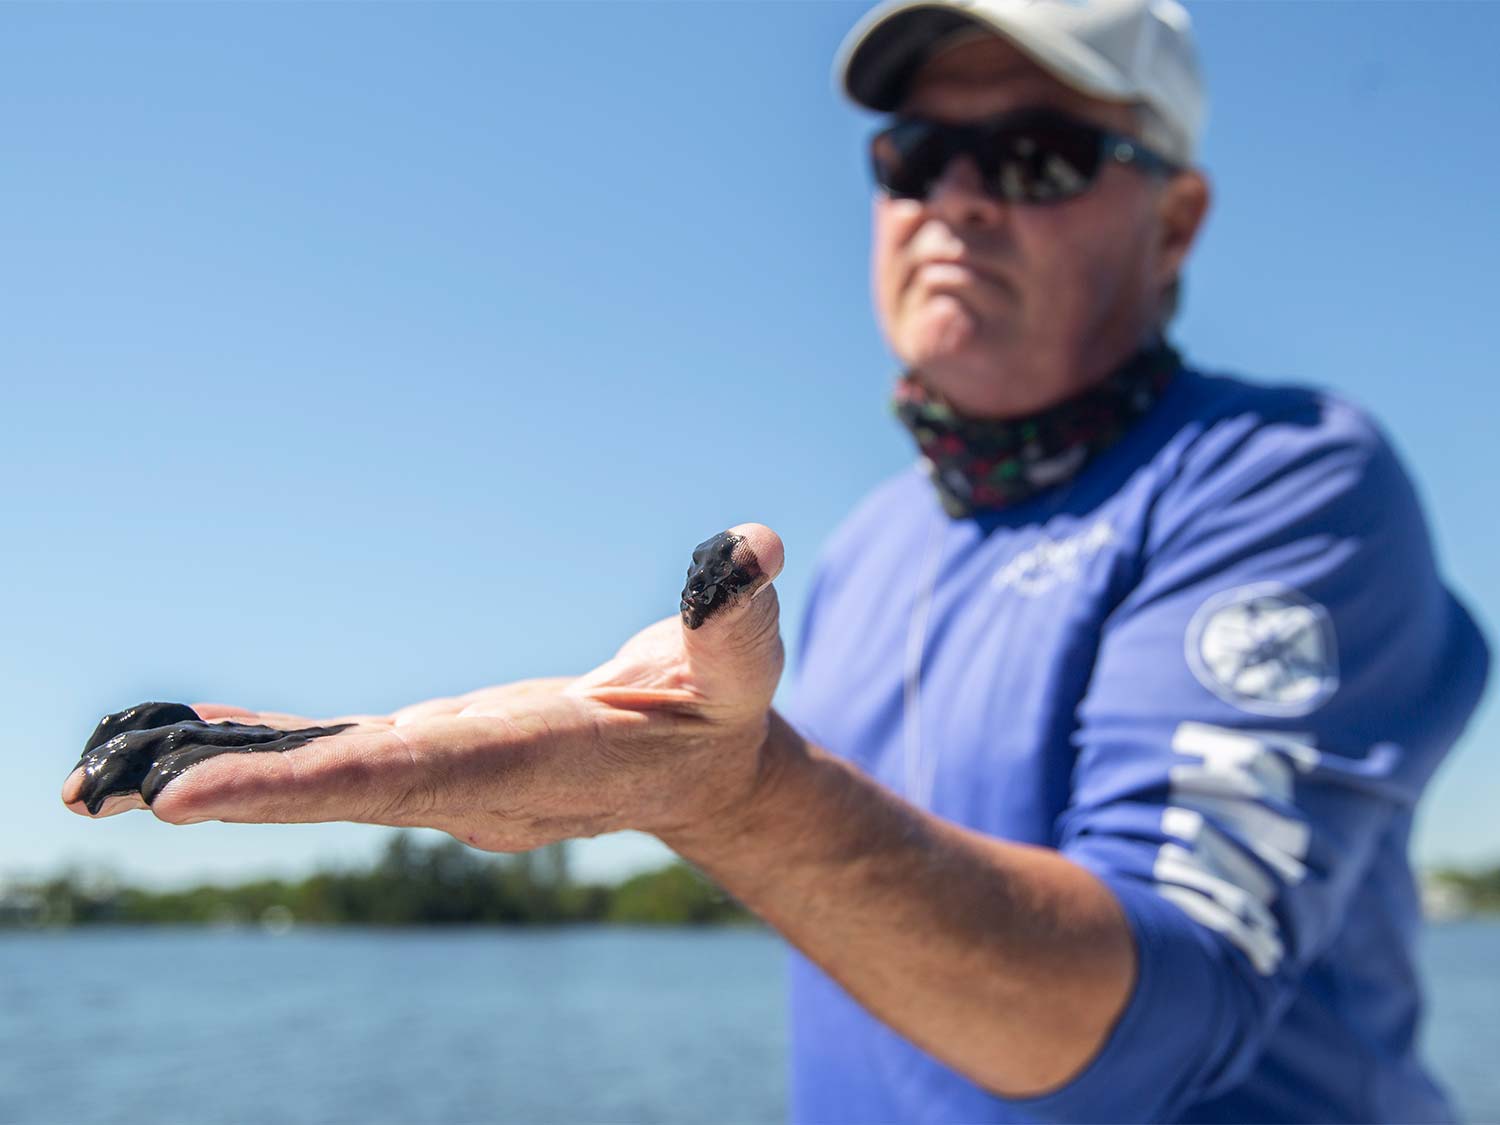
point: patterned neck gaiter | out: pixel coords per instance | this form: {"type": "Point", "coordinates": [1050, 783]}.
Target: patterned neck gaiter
{"type": "Point", "coordinates": [996, 462]}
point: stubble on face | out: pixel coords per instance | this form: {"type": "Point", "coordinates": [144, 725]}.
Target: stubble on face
{"type": "Point", "coordinates": [1007, 309]}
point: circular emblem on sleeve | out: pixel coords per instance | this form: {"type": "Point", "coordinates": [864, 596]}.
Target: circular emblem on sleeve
{"type": "Point", "coordinates": [1265, 648]}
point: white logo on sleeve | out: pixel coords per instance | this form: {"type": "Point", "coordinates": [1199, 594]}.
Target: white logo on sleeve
{"type": "Point", "coordinates": [1266, 649]}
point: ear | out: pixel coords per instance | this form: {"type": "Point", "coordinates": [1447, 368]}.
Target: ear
{"type": "Point", "coordinates": [1181, 208]}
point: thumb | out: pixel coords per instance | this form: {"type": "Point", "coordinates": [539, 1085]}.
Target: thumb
{"type": "Point", "coordinates": [730, 614]}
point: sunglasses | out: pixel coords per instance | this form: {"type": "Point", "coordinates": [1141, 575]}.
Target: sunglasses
{"type": "Point", "coordinates": [1034, 156]}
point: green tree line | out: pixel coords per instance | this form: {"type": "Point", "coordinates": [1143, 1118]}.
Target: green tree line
{"type": "Point", "coordinates": [410, 884]}
{"type": "Point", "coordinates": [1478, 890]}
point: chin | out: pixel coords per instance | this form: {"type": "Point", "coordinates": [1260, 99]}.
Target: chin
{"type": "Point", "coordinates": [944, 328]}
{"type": "Point", "coordinates": [982, 379]}
{"type": "Point", "coordinates": [965, 389]}
{"type": "Point", "coordinates": [954, 373]}
{"type": "Point", "coordinates": [951, 352]}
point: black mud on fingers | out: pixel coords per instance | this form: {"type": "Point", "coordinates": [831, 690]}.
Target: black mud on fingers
{"type": "Point", "coordinates": [723, 568]}
{"type": "Point", "coordinates": [141, 749]}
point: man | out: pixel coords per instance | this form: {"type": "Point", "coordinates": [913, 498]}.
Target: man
{"type": "Point", "coordinates": [1110, 716]}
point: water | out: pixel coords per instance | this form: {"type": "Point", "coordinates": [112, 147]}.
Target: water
{"type": "Point", "coordinates": [460, 1026]}
{"type": "Point", "coordinates": [1461, 965]}
{"type": "Point", "coordinates": [474, 1025]}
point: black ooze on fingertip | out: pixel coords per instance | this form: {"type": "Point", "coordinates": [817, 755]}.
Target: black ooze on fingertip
{"type": "Point", "coordinates": [716, 577]}
{"type": "Point", "coordinates": [141, 749]}
{"type": "Point", "coordinates": [143, 716]}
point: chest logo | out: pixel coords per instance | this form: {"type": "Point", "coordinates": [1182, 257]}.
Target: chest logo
{"type": "Point", "coordinates": [1038, 569]}
{"type": "Point", "coordinates": [1265, 648]}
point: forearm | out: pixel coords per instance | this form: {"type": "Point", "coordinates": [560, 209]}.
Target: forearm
{"type": "Point", "coordinates": [1005, 961]}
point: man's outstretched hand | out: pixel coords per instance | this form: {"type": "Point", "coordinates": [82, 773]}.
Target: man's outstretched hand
{"type": "Point", "coordinates": [669, 735]}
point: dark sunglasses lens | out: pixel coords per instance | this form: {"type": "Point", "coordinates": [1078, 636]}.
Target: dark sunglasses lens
{"type": "Point", "coordinates": [908, 156]}
{"type": "Point", "coordinates": [1036, 162]}
{"type": "Point", "coordinates": [1041, 163]}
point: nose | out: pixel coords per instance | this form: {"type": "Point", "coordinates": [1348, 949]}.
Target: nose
{"type": "Point", "coordinates": [958, 196]}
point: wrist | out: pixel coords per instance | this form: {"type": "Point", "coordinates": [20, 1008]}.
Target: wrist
{"type": "Point", "coordinates": [777, 761]}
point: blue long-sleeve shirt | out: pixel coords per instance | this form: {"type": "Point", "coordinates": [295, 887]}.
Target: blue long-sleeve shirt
{"type": "Point", "coordinates": [1217, 670]}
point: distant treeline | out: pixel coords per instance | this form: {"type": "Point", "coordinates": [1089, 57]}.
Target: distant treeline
{"type": "Point", "coordinates": [409, 885]}
{"type": "Point", "coordinates": [1477, 891]}
{"type": "Point", "coordinates": [441, 884]}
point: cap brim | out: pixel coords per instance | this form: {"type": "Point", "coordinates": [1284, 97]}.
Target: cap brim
{"type": "Point", "coordinates": [883, 51]}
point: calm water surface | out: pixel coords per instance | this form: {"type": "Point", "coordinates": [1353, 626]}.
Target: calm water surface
{"type": "Point", "coordinates": [474, 1025]}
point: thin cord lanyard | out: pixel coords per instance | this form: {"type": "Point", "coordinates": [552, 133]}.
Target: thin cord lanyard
{"type": "Point", "coordinates": [920, 765]}
{"type": "Point", "coordinates": [920, 774]}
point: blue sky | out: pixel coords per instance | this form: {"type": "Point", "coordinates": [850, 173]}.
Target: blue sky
{"type": "Point", "coordinates": [352, 332]}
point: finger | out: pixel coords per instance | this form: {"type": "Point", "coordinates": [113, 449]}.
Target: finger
{"type": "Point", "coordinates": [72, 795]}
{"type": "Point", "coordinates": [134, 754]}
{"type": "Point", "coordinates": [728, 570]}
{"type": "Point", "coordinates": [280, 720]}
{"type": "Point", "coordinates": [73, 786]}
{"type": "Point", "coordinates": [365, 775]}
{"type": "Point", "coordinates": [219, 711]}
{"type": "Point", "coordinates": [224, 712]}
{"type": "Point", "coordinates": [145, 760]}
{"type": "Point", "coordinates": [143, 716]}
{"type": "Point", "coordinates": [730, 612]}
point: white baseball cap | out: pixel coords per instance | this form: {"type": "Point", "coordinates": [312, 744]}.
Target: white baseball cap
{"type": "Point", "coordinates": [1117, 50]}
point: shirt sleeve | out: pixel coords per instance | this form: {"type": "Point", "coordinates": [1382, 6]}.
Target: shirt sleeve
{"type": "Point", "coordinates": [1273, 692]}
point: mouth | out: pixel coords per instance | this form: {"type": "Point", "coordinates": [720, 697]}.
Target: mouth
{"type": "Point", "coordinates": [946, 272]}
